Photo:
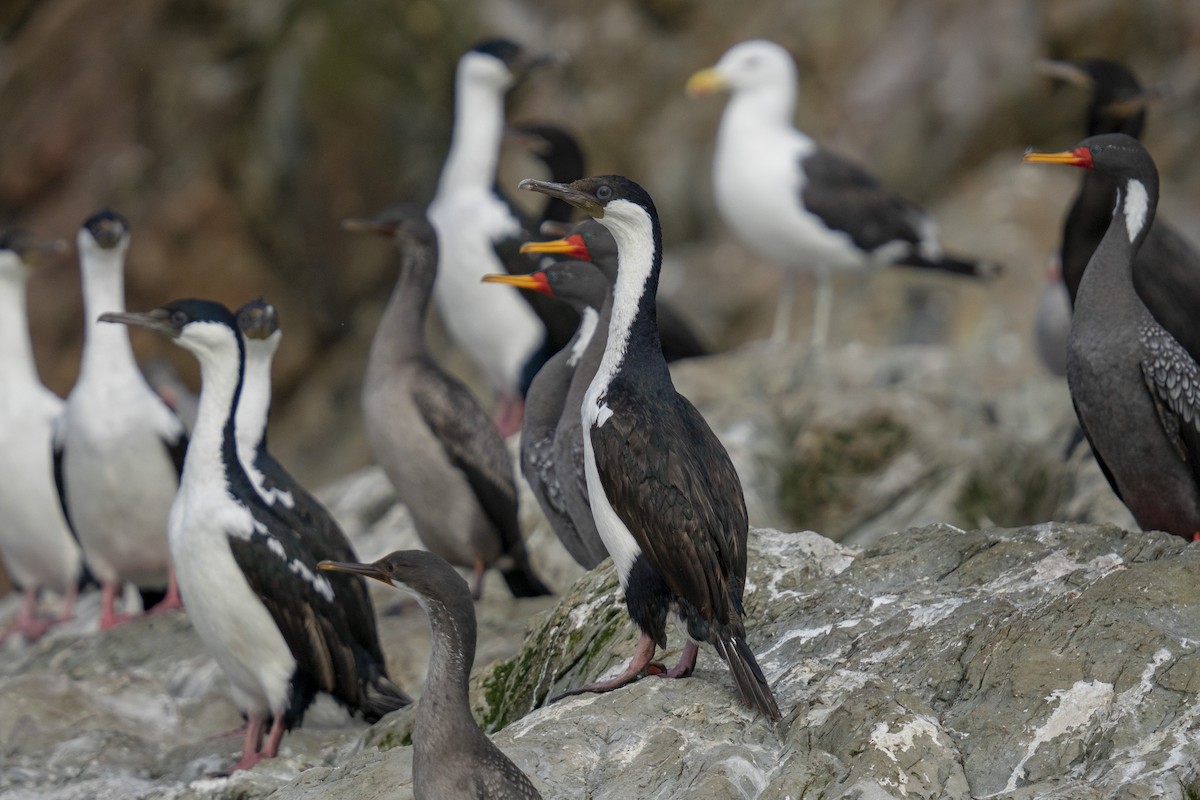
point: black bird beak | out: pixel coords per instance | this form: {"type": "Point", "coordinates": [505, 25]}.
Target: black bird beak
{"type": "Point", "coordinates": [581, 200]}
{"type": "Point", "coordinates": [365, 570]}
{"type": "Point", "coordinates": [158, 320]}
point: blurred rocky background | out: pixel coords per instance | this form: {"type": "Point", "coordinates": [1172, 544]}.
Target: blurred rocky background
{"type": "Point", "coordinates": [235, 135]}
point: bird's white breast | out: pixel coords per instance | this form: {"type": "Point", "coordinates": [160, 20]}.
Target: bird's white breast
{"type": "Point", "coordinates": [757, 186]}
{"type": "Point", "coordinates": [497, 328]}
{"type": "Point", "coordinates": [237, 629]}
{"type": "Point", "coordinates": [37, 546]}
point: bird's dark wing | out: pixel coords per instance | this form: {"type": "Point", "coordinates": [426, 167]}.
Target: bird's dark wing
{"type": "Point", "coordinates": [496, 777]}
{"type": "Point", "coordinates": [670, 480]}
{"type": "Point", "coordinates": [61, 485]}
{"type": "Point", "coordinates": [303, 601]}
{"type": "Point", "coordinates": [1173, 379]}
{"type": "Point", "coordinates": [326, 540]}
{"type": "Point", "coordinates": [1166, 275]}
{"type": "Point", "coordinates": [472, 444]}
{"type": "Point", "coordinates": [849, 199]}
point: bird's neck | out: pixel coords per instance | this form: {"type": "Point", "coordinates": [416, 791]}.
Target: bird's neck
{"type": "Point", "coordinates": [1112, 263]}
{"type": "Point", "coordinates": [254, 402]}
{"type": "Point", "coordinates": [212, 450]}
{"type": "Point", "coordinates": [773, 106]}
{"type": "Point", "coordinates": [633, 325]}
{"type": "Point", "coordinates": [106, 347]}
{"type": "Point", "coordinates": [401, 333]}
{"type": "Point", "coordinates": [445, 704]}
{"type": "Point", "coordinates": [16, 348]}
{"type": "Point", "coordinates": [475, 142]}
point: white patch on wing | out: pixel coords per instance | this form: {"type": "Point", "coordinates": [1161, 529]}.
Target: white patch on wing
{"type": "Point", "coordinates": [275, 547]}
{"type": "Point", "coordinates": [318, 582]}
{"type": "Point", "coordinates": [1137, 207]}
{"type": "Point", "coordinates": [602, 414]}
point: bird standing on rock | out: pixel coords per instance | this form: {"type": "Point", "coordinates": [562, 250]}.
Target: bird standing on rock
{"type": "Point", "coordinates": [451, 756]}
{"type": "Point", "coordinates": [445, 458]}
{"type": "Point", "coordinates": [122, 448]}
{"type": "Point", "coordinates": [796, 204]}
{"type": "Point", "coordinates": [37, 545]}
{"type": "Point", "coordinates": [279, 628]}
{"type": "Point", "coordinates": [666, 498]}
{"type": "Point", "coordinates": [1136, 389]}
{"type": "Point", "coordinates": [557, 481]}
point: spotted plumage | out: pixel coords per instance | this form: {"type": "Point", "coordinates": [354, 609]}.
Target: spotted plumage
{"type": "Point", "coordinates": [555, 479]}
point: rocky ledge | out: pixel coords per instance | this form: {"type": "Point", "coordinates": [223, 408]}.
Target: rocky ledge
{"type": "Point", "coordinates": [1052, 661]}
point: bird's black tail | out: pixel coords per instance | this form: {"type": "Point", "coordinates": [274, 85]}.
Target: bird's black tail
{"type": "Point", "coordinates": [972, 268]}
{"type": "Point", "coordinates": [521, 579]}
{"type": "Point", "coordinates": [748, 676]}
{"type": "Point", "coordinates": [381, 696]}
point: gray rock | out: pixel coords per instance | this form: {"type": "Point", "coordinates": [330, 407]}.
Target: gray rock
{"type": "Point", "coordinates": [1054, 661]}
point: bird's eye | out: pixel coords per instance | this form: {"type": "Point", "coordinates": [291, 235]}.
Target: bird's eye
{"type": "Point", "coordinates": [604, 192]}
{"type": "Point", "coordinates": [179, 318]}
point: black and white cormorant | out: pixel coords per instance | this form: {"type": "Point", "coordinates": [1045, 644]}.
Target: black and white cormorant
{"type": "Point", "coordinates": [665, 496]}
{"type": "Point", "coordinates": [122, 449]}
{"type": "Point", "coordinates": [1166, 270]}
{"type": "Point", "coordinates": [499, 330]}
{"type": "Point", "coordinates": [444, 456]}
{"type": "Point", "coordinates": [280, 628]}
{"type": "Point", "coordinates": [451, 756]}
{"type": "Point", "coordinates": [36, 543]}
{"type": "Point", "coordinates": [556, 480]}
{"type": "Point", "coordinates": [798, 205]}
{"type": "Point", "coordinates": [1136, 389]}
{"type": "Point", "coordinates": [258, 322]}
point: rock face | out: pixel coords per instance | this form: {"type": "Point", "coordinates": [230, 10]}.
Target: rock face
{"type": "Point", "coordinates": [1055, 661]}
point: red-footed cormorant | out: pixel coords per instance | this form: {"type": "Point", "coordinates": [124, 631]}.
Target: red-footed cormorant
{"type": "Point", "coordinates": [800, 206]}
{"type": "Point", "coordinates": [666, 498]}
{"type": "Point", "coordinates": [1135, 388]}
{"type": "Point", "coordinates": [122, 448]}
{"type": "Point", "coordinates": [279, 628]}
{"type": "Point", "coordinates": [552, 478]}
{"type": "Point", "coordinates": [451, 756]}
{"type": "Point", "coordinates": [590, 241]}
{"type": "Point", "coordinates": [1166, 270]}
{"type": "Point", "coordinates": [449, 465]}
{"type": "Point", "coordinates": [36, 543]}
